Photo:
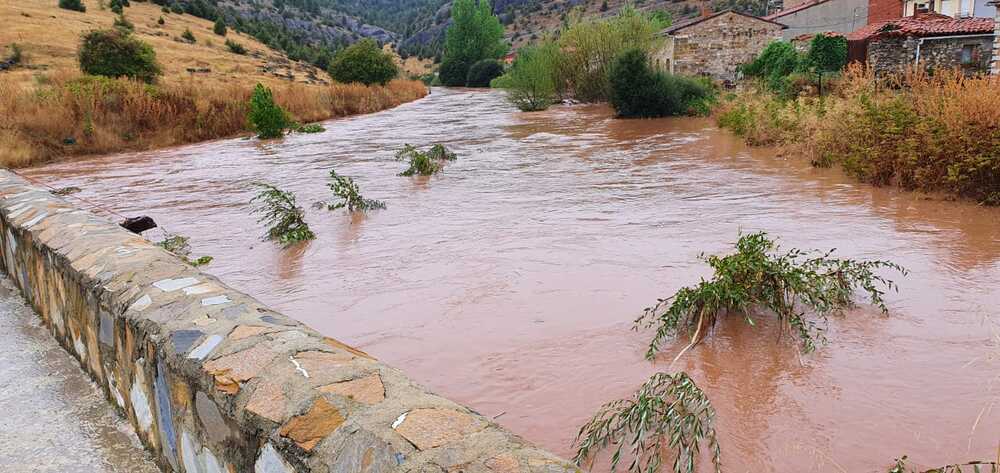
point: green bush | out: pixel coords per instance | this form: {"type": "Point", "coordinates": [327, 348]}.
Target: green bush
{"type": "Point", "coordinates": [75, 5]}
{"type": "Point", "coordinates": [453, 72]}
{"type": "Point", "coordinates": [639, 91]}
{"type": "Point", "coordinates": [424, 163]}
{"type": "Point", "coordinates": [114, 53]}
{"type": "Point", "coordinates": [363, 62]}
{"type": "Point", "coordinates": [117, 6]}
{"type": "Point", "coordinates": [284, 220]}
{"type": "Point", "coordinates": [235, 48]}
{"type": "Point", "coordinates": [773, 66]}
{"type": "Point", "coordinates": [530, 83]}
{"type": "Point", "coordinates": [474, 34]}
{"type": "Point", "coordinates": [220, 27]}
{"type": "Point", "coordinates": [483, 72]}
{"type": "Point", "coordinates": [160, 21]}
{"type": "Point", "coordinates": [265, 116]}
{"type": "Point", "coordinates": [827, 53]}
{"type": "Point", "coordinates": [122, 24]}
{"type": "Point", "coordinates": [188, 36]}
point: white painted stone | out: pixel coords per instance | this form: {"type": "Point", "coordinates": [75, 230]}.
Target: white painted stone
{"type": "Point", "coordinates": [270, 461]}
{"type": "Point", "coordinates": [140, 406]}
{"type": "Point", "coordinates": [171, 285]}
{"type": "Point", "coordinates": [200, 289]}
{"type": "Point", "coordinates": [215, 300]}
{"type": "Point", "coordinates": [205, 348]}
{"type": "Point", "coordinates": [38, 218]}
{"type": "Point", "coordinates": [141, 304]}
{"type": "Point", "coordinates": [399, 420]}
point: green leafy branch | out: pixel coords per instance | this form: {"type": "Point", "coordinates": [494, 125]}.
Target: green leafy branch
{"type": "Point", "coordinates": [669, 411]}
{"type": "Point", "coordinates": [180, 246]}
{"type": "Point", "coordinates": [285, 221]}
{"type": "Point", "coordinates": [424, 163]}
{"type": "Point", "coordinates": [347, 191]}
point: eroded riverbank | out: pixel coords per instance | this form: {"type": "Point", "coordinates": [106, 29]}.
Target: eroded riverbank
{"type": "Point", "coordinates": [509, 281]}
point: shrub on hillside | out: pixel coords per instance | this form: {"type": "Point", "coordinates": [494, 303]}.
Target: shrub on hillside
{"type": "Point", "coordinates": [219, 28]}
{"type": "Point", "coordinates": [235, 48]}
{"type": "Point", "coordinates": [638, 91]}
{"type": "Point", "coordinates": [75, 5]}
{"type": "Point", "coordinates": [482, 72]}
{"type": "Point", "coordinates": [266, 117]}
{"type": "Point", "coordinates": [114, 53]}
{"type": "Point", "coordinates": [122, 24]}
{"type": "Point", "coordinates": [530, 83]}
{"type": "Point", "coordinates": [188, 36]}
{"type": "Point", "coordinates": [363, 62]}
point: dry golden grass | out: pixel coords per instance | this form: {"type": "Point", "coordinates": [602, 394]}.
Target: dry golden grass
{"type": "Point", "coordinates": [49, 110]}
{"type": "Point", "coordinates": [49, 37]}
{"type": "Point", "coordinates": [82, 115]}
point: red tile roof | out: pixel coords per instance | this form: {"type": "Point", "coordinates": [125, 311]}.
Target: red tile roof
{"type": "Point", "coordinates": [927, 24]}
{"type": "Point", "coordinates": [810, 36]}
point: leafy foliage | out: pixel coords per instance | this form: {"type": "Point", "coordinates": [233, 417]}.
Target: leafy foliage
{"type": "Point", "coordinates": [285, 221]}
{"type": "Point", "coordinates": [235, 48]}
{"type": "Point", "coordinates": [75, 5]}
{"type": "Point", "coordinates": [123, 24]}
{"type": "Point", "coordinates": [794, 286]}
{"type": "Point", "coordinates": [483, 72]}
{"type": "Point", "coordinates": [363, 62]}
{"type": "Point", "coordinates": [310, 128]}
{"type": "Point", "coordinates": [590, 46]}
{"type": "Point", "coordinates": [827, 53]}
{"type": "Point", "coordinates": [475, 34]}
{"type": "Point", "coordinates": [424, 163]}
{"type": "Point", "coordinates": [265, 116]}
{"type": "Point", "coordinates": [219, 27]}
{"type": "Point", "coordinates": [530, 83]}
{"type": "Point", "coordinates": [971, 467]}
{"type": "Point", "coordinates": [774, 64]}
{"type": "Point", "coordinates": [180, 246]}
{"type": "Point", "coordinates": [347, 191]}
{"type": "Point", "coordinates": [639, 91]}
{"type": "Point", "coordinates": [115, 53]}
{"type": "Point", "coordinates": [188, 36]}
{"type": "Point", "coordinates": [668, 412]}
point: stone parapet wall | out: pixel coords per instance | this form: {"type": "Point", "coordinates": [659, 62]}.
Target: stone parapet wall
{"type": "Point", "coordinates": [215, 382]}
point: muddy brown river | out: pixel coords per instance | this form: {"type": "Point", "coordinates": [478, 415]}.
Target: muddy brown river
{"type": "Point", "coordinates": [509, 281]}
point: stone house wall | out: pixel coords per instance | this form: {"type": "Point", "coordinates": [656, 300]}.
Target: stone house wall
{"type": "Point", "coordinates": [892, 54]}
{"type": "Point", "coordinates": [716, 47]}
{"type": "Point", "coordinates": [995, 69]}
{"type": "Point", "coordinates": [213, 381]}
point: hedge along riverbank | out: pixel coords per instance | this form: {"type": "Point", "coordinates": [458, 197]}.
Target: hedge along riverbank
{"type": "Point", "coordinates": [212, 380]}
{"type": "Point", "coordinates": [931, 133]}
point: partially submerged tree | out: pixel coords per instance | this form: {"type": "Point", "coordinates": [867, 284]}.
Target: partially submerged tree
{"type": "Point", "coordinates": [531, 83]}
{"type": "Point", "coordinates": [284, 220]}
{"type": "Point", "coordinates": [798, 287]}
{"type": "Point", "coordinates": [668, 413]}
{"type": "Point", "coordinates": [424, 163]}
{"type": "Point", "coordinates": [180, 246]}
{"type": "Point", "coordinates": [349, 195]}
{"type": "Point", "coordinates": [265, 116]}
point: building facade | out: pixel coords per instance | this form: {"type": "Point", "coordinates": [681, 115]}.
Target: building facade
{"type": "Point", "coordinates": [715, 45]}
{"type": "Point", "coordinates": [822, 16]}
{"type": "Point", "coordinates": [952, 8]}
{"type": "Point", "coordinates": [929, 41]}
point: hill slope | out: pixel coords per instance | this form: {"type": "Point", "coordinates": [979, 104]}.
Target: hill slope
{"type": "Point", "coordinates": [49, 37]}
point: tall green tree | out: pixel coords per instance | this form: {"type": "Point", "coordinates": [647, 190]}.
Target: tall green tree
{"type": "Point", "coordinates": [475, 34]}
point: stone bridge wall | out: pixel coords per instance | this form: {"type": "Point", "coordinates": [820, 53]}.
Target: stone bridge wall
{"type": "Point", "coordinates": [215, 382]}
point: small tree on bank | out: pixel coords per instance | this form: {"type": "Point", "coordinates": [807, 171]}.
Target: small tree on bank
{"type": "Point", "coordinates": [638, 91]}
{"type": "Point", "coordinates": [115, 53]}
{"type": "Point", "coordinates": [220, 27]}
{"type": "Point", "coordinates": [475, 34]}
{"type": "Point", "coordinates": [363, 62]}
{"type": "Point", "coordinates": [265, 116]}
{"type": "Point", "coordinates": [530, 83]}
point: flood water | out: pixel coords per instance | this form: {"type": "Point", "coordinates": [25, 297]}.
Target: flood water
{"type": "Point", "coordinates": [509, 281]}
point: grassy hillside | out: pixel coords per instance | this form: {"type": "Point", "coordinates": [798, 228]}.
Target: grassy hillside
{"type": "Point", "coordinates": [49, 37]}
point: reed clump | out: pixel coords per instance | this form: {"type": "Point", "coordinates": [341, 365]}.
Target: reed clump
{"type": "Point", "coordinates": [69, 114]}
{"type": "Point", "coordinates": [918, 131]}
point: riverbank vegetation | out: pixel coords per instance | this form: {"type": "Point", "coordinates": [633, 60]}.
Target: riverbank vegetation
{"type": "Point", "coordinates": [931, 133]}
{"type": "Point", "coordinates": [70, 114]}
{"type": "Point", "coordinates": [639, 91]}
{"type": "Point", "coordinates": [283, 219]}
{"type": "Point", "coordinates": [424, 163]}
{"type": "Point", "coordinates": [475, 35]}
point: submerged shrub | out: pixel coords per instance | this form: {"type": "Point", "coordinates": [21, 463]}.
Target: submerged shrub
{"type": "Point", "coordinates": [483, 72]}
{"type": "Point", "coordinates": [180, 246]}
{"type": "Point", "coordinates": [284, 220]}
{"type": "Point", "coordinates": [311, 128]}
{"type": "Point", "coordinates": [796, 286]}
{"type": "Point", "coordinates": [349, 195]}
{"type": "Point", "coordinates": [899, 466]}
{"type": "Point", "coordinates": [266, 117]}
{"type": "Point", "coordinates": [530, 83]}
{"type": "Point", "coordinates": [235, 48]}
{"type": "Point", "coordinates": [668, 412]}
{"type": "Point", "coordinates": [424, 163]}
{"type": "Point", "coordinates": [115, 53]}
{"type": "Point", "coordinates": [75, 5]}
{"type": "Point", "coordinates": [363, 62]}
{"type": "Point", "coordinates": [639, 91]}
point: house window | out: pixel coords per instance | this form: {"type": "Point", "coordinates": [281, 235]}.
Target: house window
{"type": "Point", "coordinates": [969, 54]}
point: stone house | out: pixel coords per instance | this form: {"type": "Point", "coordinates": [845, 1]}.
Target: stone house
{"type": "Point", "coordinates": [821, 16]}
{"type": "Point", "coordinates": [715, 45]}
{"type": "Point", "coordinates": [995, 69]}
{"type": "Point", "coordinates": [928, 40]}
